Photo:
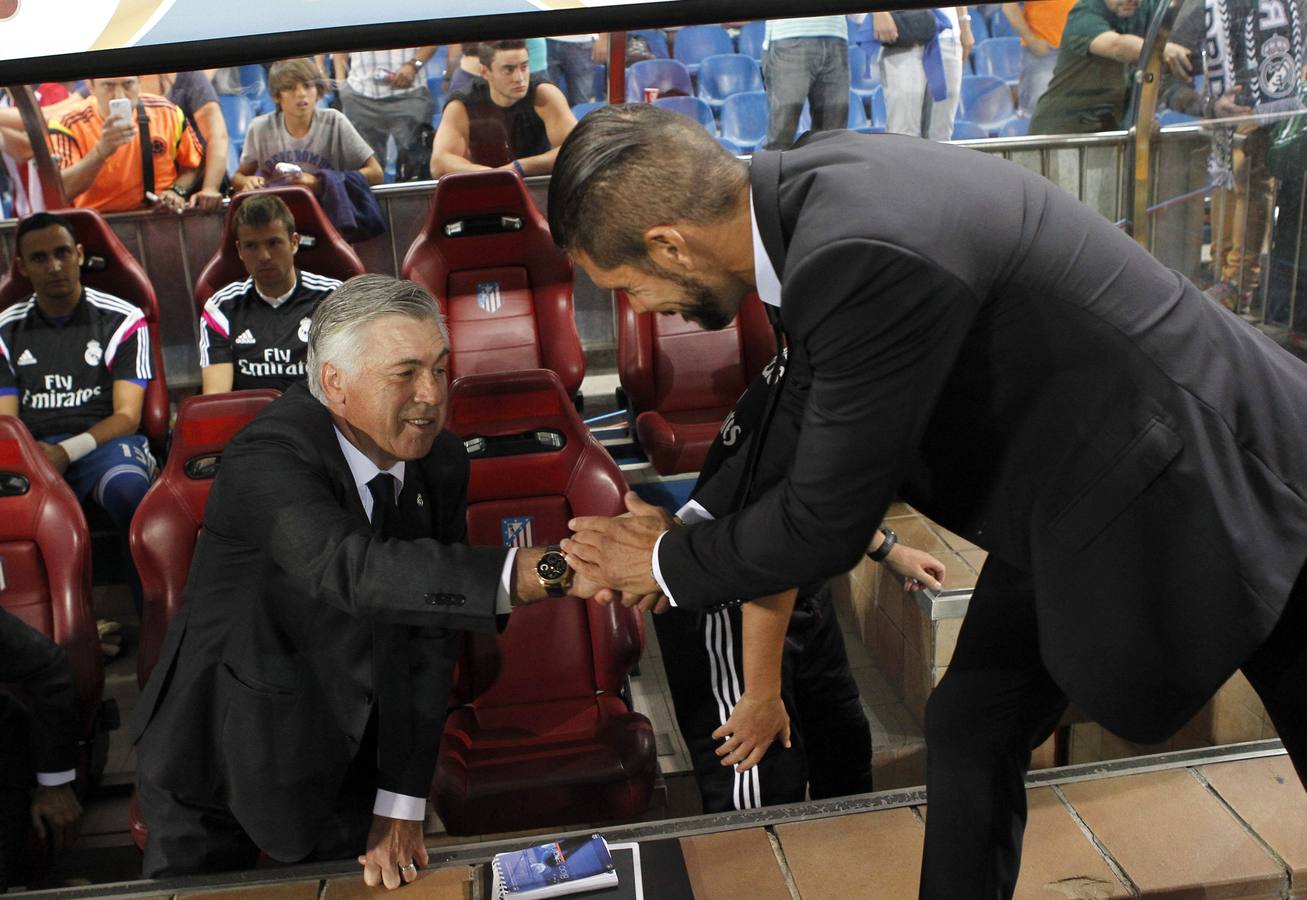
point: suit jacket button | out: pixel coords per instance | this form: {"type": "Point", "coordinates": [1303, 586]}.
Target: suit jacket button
{"type": "Point", "coordinates": [459, 599]}
{"type": "Point", "coordinates": [431, 599]}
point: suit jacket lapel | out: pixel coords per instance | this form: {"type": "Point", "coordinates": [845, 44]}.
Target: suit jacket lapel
{"type": "Point", "coordinates": [765, 184]}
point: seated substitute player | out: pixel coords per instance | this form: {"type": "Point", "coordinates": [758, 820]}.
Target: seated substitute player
{"type": "Point", "coordinates": [254, 333]}
{"type": "Point", "coordinates": [74, 363]}
{"type": "Point", "coordinates": [795, 675]}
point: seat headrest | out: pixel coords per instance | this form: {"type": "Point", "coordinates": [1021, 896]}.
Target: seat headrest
{"type": "Point", "coordinates": [510, 402]}
{"type": "Point", "coordinates": [206, 423]}
{"type": "Point", "coordinates": [18, 450]}
{"type": "Point", "coordinates": [498, 191]}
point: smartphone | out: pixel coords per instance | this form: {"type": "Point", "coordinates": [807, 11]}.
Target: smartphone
{"type": "Point", "coordinates": [121, 108]}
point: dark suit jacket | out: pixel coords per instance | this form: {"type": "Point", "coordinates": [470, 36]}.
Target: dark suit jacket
{"type": "Point", "coordinates": [300, 622]}
{"type": "Point", "coordinates": [1031, 378]}
{"type": "Point", "coordinates": [42, 708]}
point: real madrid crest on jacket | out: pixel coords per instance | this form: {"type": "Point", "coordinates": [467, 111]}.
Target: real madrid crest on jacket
{"type": "Point", "coordinates": [264, 338]}
{"type": "Point", "coordinates": [63, 369]}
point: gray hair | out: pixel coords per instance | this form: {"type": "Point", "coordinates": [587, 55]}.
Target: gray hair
{"type": "Point", "coordinates": [336, 330]}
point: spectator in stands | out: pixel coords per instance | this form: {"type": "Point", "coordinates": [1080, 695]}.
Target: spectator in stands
{"type": "Point", "coordinates": [1101, 43]}
{"type": "Point", "coordinates": [38, 746]}
{"type": "Point", "coordinates": [1040, 27]}
{"type": "Point", "coordinates": [921, 74]}
{"type": "Point", "coordinates": [463, 67]}
{"type": "Point", "coordinates": [572, 59]}
{"type": "Point", "coordinates": [508, 119]}
{"type": "Point", "coordinates": [74, 364]}
{"type": "Point", "coordinates": [1234, 86]}
{"type": "Point", "coordinates": [805, 59]}
{"type": "Point", "coordinates": [385, 96]}
{"type": "Point", "coordinates": [100, 155]}
{"type": "Point", "coordinates": [811, 699]}
{"type": "Point", "coordinates": [324, 611]}
{"type": "Point", "coordinates": [254, 333]}
{"type": "Point", "coordinates": [194, 94]}
{"type": "Point", "coordinates": [299, 142]}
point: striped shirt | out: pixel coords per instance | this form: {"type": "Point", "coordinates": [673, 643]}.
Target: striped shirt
{"type": "Point", "coordinates": [63, 370]}
{"type": "Point", "coordinates": [807, 27]}
{"type": "Point", "coordinates": [118, 185]}
{"type": "Point", "coordinates": [369, 68]}
{"type": "Point", "coordinates": [266, 345]}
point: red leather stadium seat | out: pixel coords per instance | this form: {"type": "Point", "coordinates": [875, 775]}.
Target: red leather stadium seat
{"type": "Point", "coordinates": [542, 736]}
{"type": "Point", "coordinates": [45, 554]}
{"type": "Point", "coordinates": [681, 380]}
{"type": "Point", "coordinates": [111, 268]}
{"type": "Point", "coordinates": [330, 254]}
{"type": "Point", "coordinates": [486, 254]}
{"type": "Point", "coordinates": [167, 522]}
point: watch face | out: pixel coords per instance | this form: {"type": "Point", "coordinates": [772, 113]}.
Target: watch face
{"type": "Point", "coordinates": [552, 566]}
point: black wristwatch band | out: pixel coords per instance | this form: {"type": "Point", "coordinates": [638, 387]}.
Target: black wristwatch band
{"type": "Point", "coordinates": [879, 554]}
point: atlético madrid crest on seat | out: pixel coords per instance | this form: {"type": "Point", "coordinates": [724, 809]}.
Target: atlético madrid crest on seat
{"type": "Point", "coordinates": [488, 297]}
{"type": "Point", "coordinates": [517, 532]}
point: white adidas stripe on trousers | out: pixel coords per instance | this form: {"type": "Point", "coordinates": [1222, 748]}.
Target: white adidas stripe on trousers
{"type": "Point", "coordinates": [725, 676]}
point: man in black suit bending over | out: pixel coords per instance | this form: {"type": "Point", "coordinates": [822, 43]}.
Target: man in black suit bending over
{"type": "Point", "coordinates": [300, 694]}
{"type": "Point", "coordinates": [1003, 358]}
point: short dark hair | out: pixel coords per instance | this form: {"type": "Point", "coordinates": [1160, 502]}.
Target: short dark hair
{"type": "Point", "coordinates": [629, 167]}
{"type": "Point", "coordinates": [38, 221]}
{"type": "Point", "coordinates": [263, 209]}
{"type": "Point", "coordinates": [487, 50]}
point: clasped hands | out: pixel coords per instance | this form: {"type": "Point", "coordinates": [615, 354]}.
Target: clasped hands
{"type": "Point", "coordinates": [613, 557]}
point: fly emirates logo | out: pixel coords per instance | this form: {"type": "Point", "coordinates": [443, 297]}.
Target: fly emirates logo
{"type": "Point", "coordinates": [275, 362]}
{"type": "Point", "coordinates": [59, 393]}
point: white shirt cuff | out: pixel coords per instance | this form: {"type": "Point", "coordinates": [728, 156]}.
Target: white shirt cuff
{"type": "Point", "coordinates": [54, 779]}
{"type": "Point", "coordinates": [692, 512]}
{"type": "Point", "coordinates": [504, 596]}
{"type": "Point", "coordinates": [399, 806]}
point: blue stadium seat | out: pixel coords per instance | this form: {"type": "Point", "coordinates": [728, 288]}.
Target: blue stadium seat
{"type": "Point", "coordinates": [669, 76]}
{"type": "Point", "coordinates": [237, 112]}
{"type": "Point", "coordinates": [600, 89]}
{"type": "Point", "coordinates": [749, 41]}
{"type": "Point", "coordinates": [1017, 126]}
{"type": "Point", "coordinates": [730, 145]}
{"type": "Point", "coordinates": [864, 74]}
{"type": "Point", "coordinates": [744, 119]}
{"type": "Point", "coordinates": [1171, 117]}
{"type": "Point", "coordinates": [726, 74]}
{"type": "Point", "coordinates": [581, 109]}
{"type": "Point", "coordinates": [857, 116]}
{"type": "Point", "coordinates": [879, 117]}
{"type": "Point", "coordinates": [656, 38]}
{"type": "Point", "coordinates": [694, 43]}
{"type": "Point", "coordinates": [968, 131]}
{"type": "Point", "coordinates": [1000, 57]}
{"type": "Point", "coordinates": [987, 101]}
{"type": "Point", "coordinates": [692, 107]}
{"type": "Point", "coordinates": [999, 26]}
{"type": "Point", "coordinates": [255, 86]}
{"type": "Point", "coordinates": [979, 25]}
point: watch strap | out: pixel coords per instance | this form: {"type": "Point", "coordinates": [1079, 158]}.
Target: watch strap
{"type": "Point", "coordinates": [879, 554]}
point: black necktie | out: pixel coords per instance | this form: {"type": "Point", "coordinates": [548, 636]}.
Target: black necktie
{"type": "Point", "coordinates": [382, 487]}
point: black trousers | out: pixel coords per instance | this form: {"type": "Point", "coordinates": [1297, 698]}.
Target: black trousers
{"type": "Point", "coordinates": [830, 753]}
{"type": "Point", "coordinates": [192, 837]}
{"type": "Point", "coordinates": [997, 703]}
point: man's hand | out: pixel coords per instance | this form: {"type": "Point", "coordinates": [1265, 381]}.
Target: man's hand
{"type": "Point", "coordinates": [254, 183]}
{"type": "Point", "coordinates": [403, 78]}
{"type": "Point", "coordinates": [395, 852]}
{"type": "Point", "coordinates": [1227, 105]}
{"type": "Point", "coordinates": [1177, 59]}
{"type": "Point", "coordinates": [57, 456]}
{"type": "Point", "coordinates": [206, 199]}
{"type": "Point", "coordinates": [1038, 46]}
{"type": "Point", "coordinates": [882, 24]}
{"type": "Point", "coordinates": [56, 816]}
{"type": "Point", "coordinates": [618, 552]}
{"type": "Point", "coordinates": [917, 568]}
{"type": "Point", "coordinates": [114, 135]}
{"type": "Point", "coordinates": [171, 201]}
{"type": "Point", "coordinates": [752, 726]}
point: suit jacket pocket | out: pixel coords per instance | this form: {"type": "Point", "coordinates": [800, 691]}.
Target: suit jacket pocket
{"type": "Point", "coordinates": [1115, 486]}
{"type": "Point", "coordinates": [283, 763]}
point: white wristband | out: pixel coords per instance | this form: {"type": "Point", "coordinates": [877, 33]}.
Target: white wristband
{"type": "Point", "coordinates": [78, 446]}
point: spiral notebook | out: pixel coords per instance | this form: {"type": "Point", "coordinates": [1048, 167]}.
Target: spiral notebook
{"type": "Point", "coordinates": [568, 866]}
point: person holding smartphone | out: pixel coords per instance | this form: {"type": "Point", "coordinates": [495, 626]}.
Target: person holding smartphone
{"type": "Point", "coordinates": [98, 148]}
